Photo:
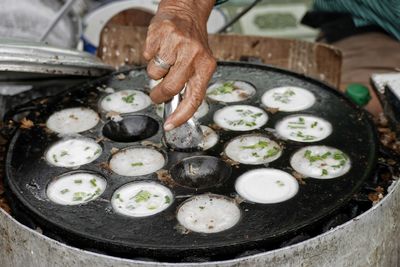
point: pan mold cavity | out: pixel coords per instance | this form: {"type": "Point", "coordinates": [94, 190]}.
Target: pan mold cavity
{"type": "Point", "coordinates": [73, 152]}
{"type": "Point", "coordinates": [131, 129]}
{"type": "Point", "coordinates": [208, 213]}
{"type": "Point", "coordinates": [200, 172]}
{"type": "Point", "coordinates": [141, 199]}
{"type": "Point", "coordinates": [75, 188]}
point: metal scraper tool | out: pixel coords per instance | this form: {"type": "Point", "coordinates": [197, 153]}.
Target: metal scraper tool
{"type": "Point", "coordinates": [186, 137]}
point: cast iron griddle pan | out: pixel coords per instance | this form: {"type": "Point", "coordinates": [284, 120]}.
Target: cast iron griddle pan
{"type": "Point", "coordinates": [95, 225]}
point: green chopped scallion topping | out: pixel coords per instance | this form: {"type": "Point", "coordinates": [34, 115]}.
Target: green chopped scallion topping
{"type": "Point", "coordinates": [283, 97]}
{"type": "Point", "coordinates": [272, 152]}
{"type": "Point", "coordinates": [305, 137]}
{"type": "Point", "coordinates": [314, 124]}
{"type": "Point", "coordinates": [78, 196]}
{"type": "Point", "coordinates": [118, 196]}
{"type": "Point", "coordinates": [256, 115]}
{"type": "Point", "coordinates": [260, 145]}
{"type": "Point", "coordinates": [93, 182]}
{"type": "Point", "coordinates": [129, 99]}
{"type": "Point", "coordinates": [64, 191]}
{"type": "Point", "coordinates": [225, 88]}
{"type": "Point", "coordinates": [251, 123]}
{"type": "Point", "coordinates": [142, 196]}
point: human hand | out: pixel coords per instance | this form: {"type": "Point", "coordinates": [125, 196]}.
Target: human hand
{"type": "Point", "coordinates": [178, 36]}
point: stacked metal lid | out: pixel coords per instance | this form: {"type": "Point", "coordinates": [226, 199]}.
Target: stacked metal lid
{"type": "Point", "coordinates": [26, 60]}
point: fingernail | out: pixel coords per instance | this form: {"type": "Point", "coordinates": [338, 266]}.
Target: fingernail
{"type": "Point", "coordinates": [168, 126]}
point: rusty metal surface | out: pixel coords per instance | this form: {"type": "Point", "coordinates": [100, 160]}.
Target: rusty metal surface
{"type": "Point", "coordinates": [3, 203]}
{"type": "Point", "coordinates": [370, 239]}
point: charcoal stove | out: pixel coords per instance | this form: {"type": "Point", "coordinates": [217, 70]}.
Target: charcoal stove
{"type": "Point", "coordinates": [322, 220]}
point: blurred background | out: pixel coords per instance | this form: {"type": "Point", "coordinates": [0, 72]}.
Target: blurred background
{"type": "Point", "coordinates": [275, 18]}
{"type": "Point", "coordinates": [28, 19]}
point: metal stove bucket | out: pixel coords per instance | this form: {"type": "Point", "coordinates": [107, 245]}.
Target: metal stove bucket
{"type": "Point", "coordinates": [370, 239]}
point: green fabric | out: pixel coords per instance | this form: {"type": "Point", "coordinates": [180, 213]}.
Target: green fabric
{"type": "Point", "coordinates": [384, 13]}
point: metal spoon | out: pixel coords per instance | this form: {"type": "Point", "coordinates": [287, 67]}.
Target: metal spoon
{"type": "Point", "coordinates": [186, 137]}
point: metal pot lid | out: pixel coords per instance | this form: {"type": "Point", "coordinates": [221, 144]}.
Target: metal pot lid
{"type": "Point", "coordinates": [22, 60]}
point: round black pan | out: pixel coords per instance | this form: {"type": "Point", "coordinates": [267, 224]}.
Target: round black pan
{"type": "Point", "coordinates": [95, 225]}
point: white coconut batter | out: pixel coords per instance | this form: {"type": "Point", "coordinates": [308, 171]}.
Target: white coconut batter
{"type": "Point", "coordinates": [73, 152]}
{"type": "Point", "coordinates": [208, 213]}
{"type": "Point", "coordinates": [320, 162]}
{"type": "Point", "coordinates": [266, 186]}
{"type": "Point", "coordinates": [240, 118]}
{"type": "Point", "coordinates": [210, 137]}
{"type": "Point", "coordinates": [140, 199]}
{"type": "Point", "coordinates": [253, 149]}
{"type": "Point", "coordinates": [126, 101]}
{"type": "Point", "coordinates": [304, 128]}
{"type": "Point", "coordinates": [288, 98]}
{"type": "Point", "coordinates": [230, 91]}
{"type": "Point", "coordinates": [76, 188]}
{"type": "Point", "coordinates": [137, 161]}
{"type": "Point", "coordinates": [73, 120]}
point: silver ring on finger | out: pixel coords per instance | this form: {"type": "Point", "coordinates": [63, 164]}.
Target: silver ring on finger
{"type": "Point", "coordinates": [159, 62]}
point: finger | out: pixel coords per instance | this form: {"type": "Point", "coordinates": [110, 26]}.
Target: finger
{"type": "Point", "coordinates": [193, 98]}
{"type": "Point", "coordinates": [152, 43]}
{"type": "Point", "coordinates": [174, 82]}
{"type": "Point", "coordinates": [194, 94]}
{"type": "Point", "coordinates": [167, 53]}
{"type": "Point", "coordinates": [205, 70]}
{"type": "Point", "coordinates": [155, 71]}
{"type": "Point", "coordinates": [183, 113]}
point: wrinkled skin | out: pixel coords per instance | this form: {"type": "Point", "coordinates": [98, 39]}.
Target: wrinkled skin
{"type": "Point", "coordinates": [178, 35]}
